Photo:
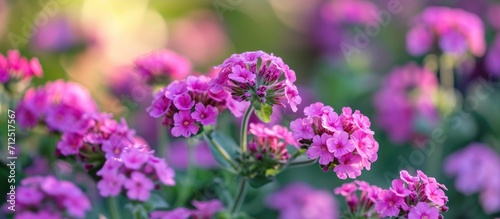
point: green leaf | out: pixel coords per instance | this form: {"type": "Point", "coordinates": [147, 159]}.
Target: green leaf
{"type": "Point", "coordinates": [264, 112]}
{"type": "Point", "coordinates": [155, 202]}
{"type": "Point", "coordinates": [222, 145]}
{"type": "Point", "coordinates": [272, 172]}
{"type": "Point", "coordinates": [260, 181]}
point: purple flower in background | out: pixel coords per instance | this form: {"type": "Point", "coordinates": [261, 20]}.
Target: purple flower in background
{"type": "Point", "coordinates": [47, 197]}
{"type": "Point", "coordinates": [57, 35]}
{"type": "Point", "coordinates": [162, 65]}
{"type": "Point", "coordinates": [300, 201]}
{"type": "Point", "coordinates": [455, 31]}
{"type": "Point", "coordinates": [15, 67]}
{"type": "Point", "coordinates": [178, 213]}
{"type": "Point", "coordinates": [492, 57]}
{"type": "Point", "coordinates": [206, 209]}
{"type": "Point", "coordinates": [474, 168]}
{"type": "Point", "coordinates": [342, 142]}
{"type": "Point", "coordinates": [178, 155]}
{"type": "Point", "coordinates": [58, 104]}
{"type": "Point", "coordinates": [257, 77]}
{"type": "Point", "coordinates": [406, 97]}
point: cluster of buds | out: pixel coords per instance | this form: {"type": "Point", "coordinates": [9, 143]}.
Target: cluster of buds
{"type": "Point", "coordinates": [58, 104]}
{"type": "Point", "coordinates": [344, 142]}
{"type": "Point", "coordinates": [412, 197]}
{"type": "Point", "coordinates": [268, 148]}
{"type": "Point", "coordinates": [47, 197]}
{"type": "Point", "coordinates": [137, 171]}
{"type": "Point", "coordinates": [188, 105]}
{"type": "Point", "coordinates": [259, 78]}
{"type": "Point", "coordinates": [360, 197]}
{"type": "Point", "coordinates": [96, 137]}
{"type": "Point", "coordinates": [162, 65]}
{"type": "Point", "coordinates": [14, 67]}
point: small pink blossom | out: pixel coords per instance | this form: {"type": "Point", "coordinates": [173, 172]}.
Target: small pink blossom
{"type": "Point", "coordinates": [399, 188]}
{"type": "Point", "coordinates": [138, 186]}
{"type": "Point", "coordinates": [241, 75]}
{"type": "Point", "coordinates": [133, 158]}
{"type": "Point", "coordinates": [184, 125]}
{"type": "Point", "coordinates": [302, 129]}
{"type": "Point", "coordinates": [423, 210]}
{"type": "Point", "coordinates": [206, 209]}
{"type": "Point", "coordinates": [340, 144]}
{"type": "Point", "coordinates": [205, 115]}
{"type": "Point", "coordinates": [111, 184]}
{"type": "Point", "coordinates": [389, 204]}
{"type": "Point", "coordinates": [184, 102]}
{"type": "Point", "coordinates": [320, 149]}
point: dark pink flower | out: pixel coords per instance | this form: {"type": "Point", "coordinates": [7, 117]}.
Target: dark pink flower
{"type": "Point", "coordinates": [257, 77]}
{"type": "Point", "coordinates": [15, 67]}
{"type": "Point", "coordinates": [133, 158]}
{"type": "Point", "coordinates": [178, 213]}
{"type": "Point", "coordinates": [183, 102]}
{"type": "Point", "coordinates": [399, 188]}
{"type": "Point", "coordinates": [340, 144]}
{"type": "Point", "coordinates": [319, 149]}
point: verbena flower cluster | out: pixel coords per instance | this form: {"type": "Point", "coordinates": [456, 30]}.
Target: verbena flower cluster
{"type": "Point", "coordinates": [268, 147]}
{"type": "Point", "coordinates": [160, 65]}
{"type": "Point", "coordinates": [342, 142]}
{"type": "Point", "coordinates": [360, 197]}
{"type": "Point", "coordinates": [48, 197]}
{"type": "Point", "coordinates": [204, 210]}
{"type": "Point", "coordinates": [412, 196]}
{"type": "Point", "coordinates": [188, 105]}
{"type": "Point", "coordinates": [474, 168]}
{"type": "Point", "coordinates": [259, 78]}
{"type": "Point", "coordinates": [407, 98]}
{"type": "Point", "coordinates": [137, 171]}
{"type": "Point", "coordinates": [300, 201]}
{"type": "Point", "coordinates": [15, 67]}
{"type": "Point", "coordinates": [96, 136]}
{"type": "Point", "coordinates": [455, 31]}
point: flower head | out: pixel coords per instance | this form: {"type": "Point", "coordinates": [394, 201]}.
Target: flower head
{"type": "Point", "coordinates": [162, 64]}
{"type": "Point", "coordinates": [407, 98]}
{"type": "Point", "coordinates": [457, 31]}
{"type": "Point", "coordinates": [360, 196]}
{"type": "Point", "coordinates": [259, 78]}
{"type": "Point", "coordinates": [342, 142]}
{"type": "Point", "coordinates": [59, 104]}
{"type": "Point", "coordinates": [15, 67]}
{"type": "Point", "coordinates": [48, 197]}
{"type": "Point", "coordinates": [299, 201]}
{"type": "Point", "coordinates": [188, 105]}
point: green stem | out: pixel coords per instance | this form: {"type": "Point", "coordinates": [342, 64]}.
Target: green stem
{"type": "Point", "coordinates": [240, 197]}
{"type": "Point", "coordinates": [162, 133]}
{"type": "Point", "coordinates": [190, 175]}
{"type": "Point", "coordinates": [221, 150]}
{"type": "Point", "coordinates": [113, 208]}
{"type": "Point", "coordinates": [244, 130]}
{"type": "Point", "coordinates": [302, 163]}
{"type": "Point", "coordinates": [446, 72]}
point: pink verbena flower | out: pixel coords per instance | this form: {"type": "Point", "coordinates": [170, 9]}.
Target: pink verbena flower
{"type": "Point", "coordinates": [162, 65]}
{"type": "Point", "coordinates": [137, 172]}
{"type": "Point", "coordinates": [47, 197]}
{"type": "Point", "coordinates": [259, 78]}
{"type": "Point", "coordinates": [93, 134]}
{"type": "Point", "coordinates": [360, 197]}
{"type": "Point", "coordinates": [455, 31]}
{"type": "Point", "coordinates": [58, 104]}
{"type": "Point", "coordinates": [423, 210]}
{"type": "Point", "coordinates": [407, 98]}
{"type": "Point", "coordinates": [473, 167]}
{"type": "Point", "coordinates": [178, 213]}
{"type": "Point", "coordinates": [410, 194]}
{"type": "Point", "coordinates": [342, 142]}
{"type": "Point", "coordinates": [138, 186]}
{"type": "Point", "coordinates": [268, 147]}
{"type": "Point", "coordinates": [300, 201]}
{"type": "Point", "coordinates": [188, 105]}
{"type": "Point", "coordinates": [206, 209]}
{"type": "Point", "coordinates": [14, 67]}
